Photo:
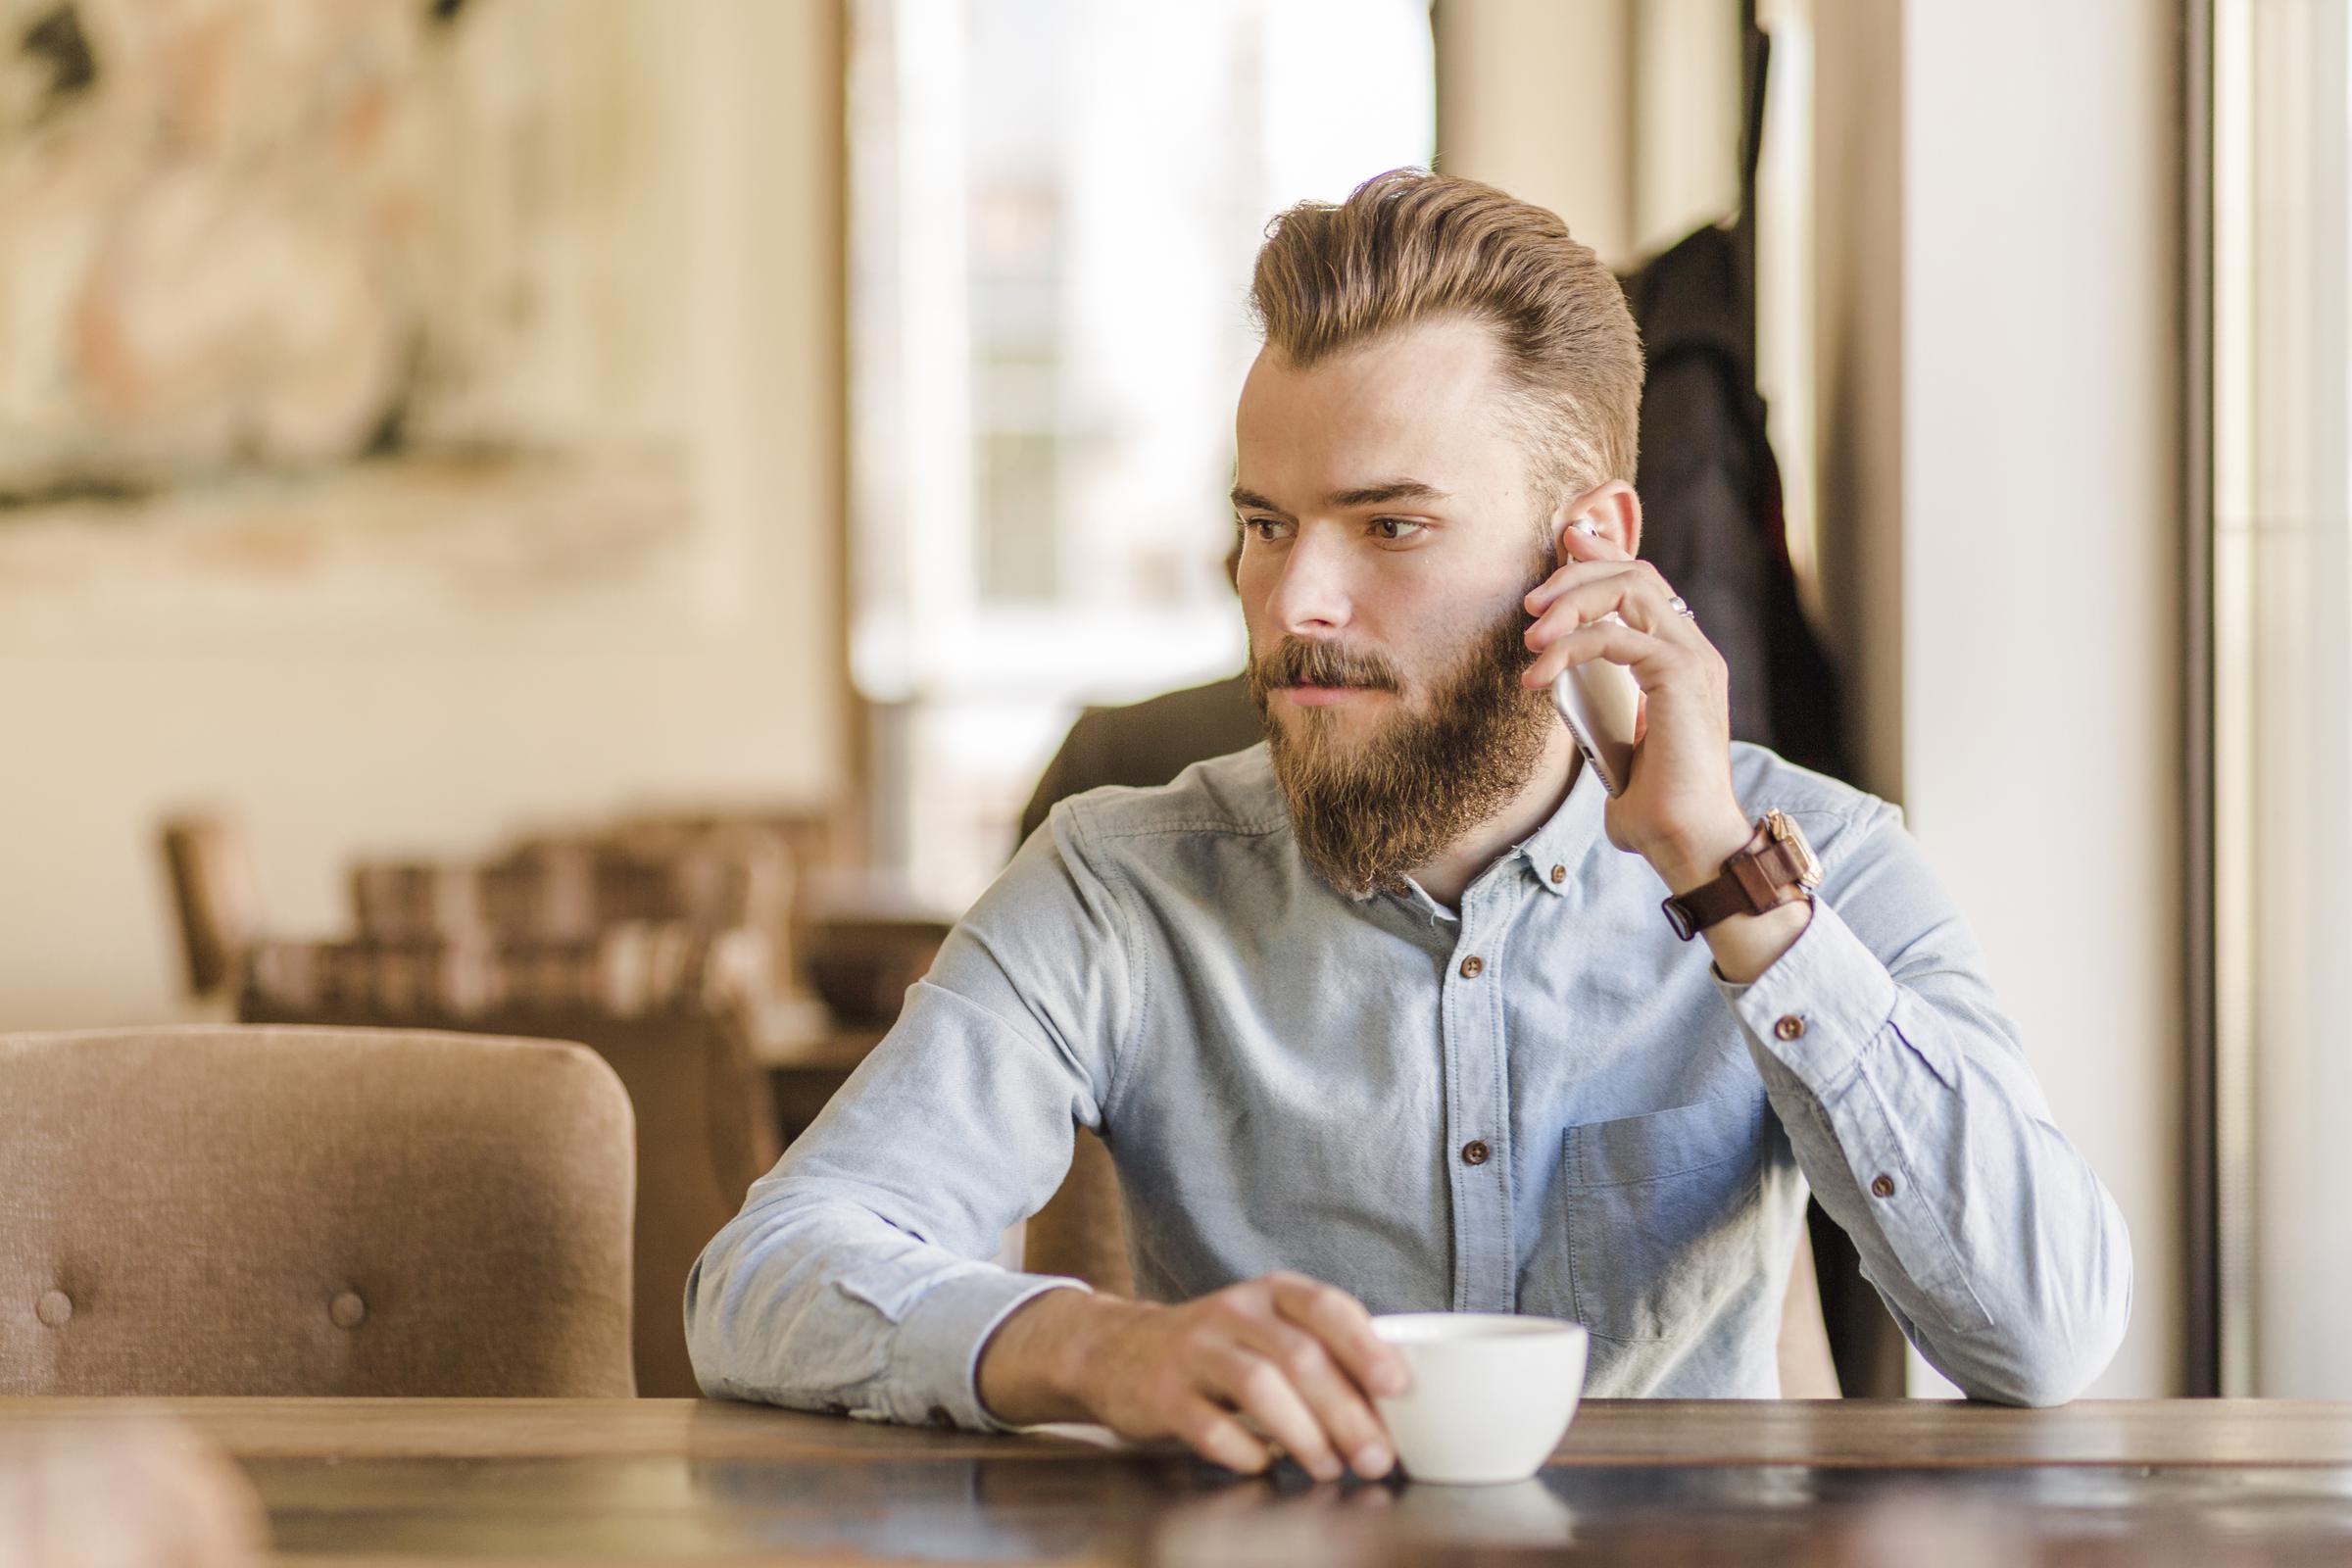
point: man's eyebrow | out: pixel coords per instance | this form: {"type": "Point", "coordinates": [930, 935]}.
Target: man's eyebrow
{"type": "Point", "coordinates": [1370, 495]}
{"type": "Point", "coordinates": [1380, 495]}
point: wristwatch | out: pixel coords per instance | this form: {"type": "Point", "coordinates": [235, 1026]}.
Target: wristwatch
{"type": "Point", "coordinates": [1775, 866]}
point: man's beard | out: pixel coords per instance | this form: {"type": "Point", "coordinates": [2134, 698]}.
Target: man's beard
{"type": "Point", "coordinates": [1366, 818]}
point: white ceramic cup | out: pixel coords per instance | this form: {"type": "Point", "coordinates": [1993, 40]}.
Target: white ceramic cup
{"type": "Point", "coordinates": [1491, 1397]}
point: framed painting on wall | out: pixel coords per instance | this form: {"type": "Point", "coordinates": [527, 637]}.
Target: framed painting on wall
{"type": "Point", "coordinates": [340, 313]}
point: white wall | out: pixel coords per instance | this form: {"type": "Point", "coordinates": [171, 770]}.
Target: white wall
{"type": "Point", "coordinates": [1857, 311]}
{"type": "Point", "coordinates": [1537, 96]}
{"type": "Point", "coordinates": [1621, 117]}
{"type": "Point", "coordinates": [2041, 564]}
{"type": "Point", "coordinates": [441, 735]}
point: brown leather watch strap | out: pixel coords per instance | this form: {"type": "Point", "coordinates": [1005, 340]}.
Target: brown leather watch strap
{"type": "Point", "coordinates": [1761, 874]}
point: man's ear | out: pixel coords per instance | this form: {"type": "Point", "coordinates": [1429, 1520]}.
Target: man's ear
{"type": "Point", "coordinates": [1614, 511]}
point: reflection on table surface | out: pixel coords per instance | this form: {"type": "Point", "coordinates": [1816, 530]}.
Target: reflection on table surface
{"type": "Point", "coordinates": [1163, 1510]}
{"type": "Point", "coordinates": [1651, 1481]}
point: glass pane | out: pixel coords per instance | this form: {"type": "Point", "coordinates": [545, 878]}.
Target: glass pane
{"type": "Point", "coordinates": [2283, 583]}
{"type": "Point", "coordinates": [1056, 204]}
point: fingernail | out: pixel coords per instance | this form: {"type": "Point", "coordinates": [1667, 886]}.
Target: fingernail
{"type": "Point", "coordinates": [1394, 1381]}
{"type": "Point", "coordinates": [1371, 1461]}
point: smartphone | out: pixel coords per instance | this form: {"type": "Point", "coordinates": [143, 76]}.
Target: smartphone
{"type": "Point", "coordinates": [1599, 702]}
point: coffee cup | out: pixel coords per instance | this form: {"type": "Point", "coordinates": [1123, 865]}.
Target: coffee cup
{"type": "Point", "coordinates": [1491, 1394]}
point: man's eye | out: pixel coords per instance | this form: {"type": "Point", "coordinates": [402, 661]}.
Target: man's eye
{"type": "Point", "coordinates": [1267, 530]}
{"type": "Point", "coordinates": [1396, 528]}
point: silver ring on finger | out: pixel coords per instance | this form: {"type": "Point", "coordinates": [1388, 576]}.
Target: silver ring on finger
{"type": "Point", "coordinates": [1677, 605]}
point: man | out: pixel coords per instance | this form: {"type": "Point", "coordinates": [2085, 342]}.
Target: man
{"type": "Point", "coordinates": [1080, 1231]}
{"type": "Point", "coordinates": [1386, 1015]}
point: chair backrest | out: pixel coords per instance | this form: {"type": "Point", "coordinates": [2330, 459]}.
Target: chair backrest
{"type": "Point", "coordinates": [575, 889]}
{"type": "Point", "coordinates": [230, 1210]}
{"type": "Point", "coordinates": [1081, 1230]}
{"type": "Point", "coordinates": [668, 1015]}
{"type": "Point", "coordinates": [215, 897]}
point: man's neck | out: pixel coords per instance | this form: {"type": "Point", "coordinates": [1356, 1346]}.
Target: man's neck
{"type": "Point", "coordinates": [1451, 874]}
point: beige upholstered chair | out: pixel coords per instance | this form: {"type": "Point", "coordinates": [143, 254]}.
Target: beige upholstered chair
{"type": "Point", "coordinates": [1080, 1232]}
{"type": "Point", "coordinates": [227, 1210]}
{"type": "Point", "coordinates": [664, 1006]}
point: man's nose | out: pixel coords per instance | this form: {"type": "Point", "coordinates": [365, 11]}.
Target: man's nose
{"type": "Point", "coordinates": [1313, 593]}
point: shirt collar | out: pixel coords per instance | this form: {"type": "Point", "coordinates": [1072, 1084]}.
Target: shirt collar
{"type": "Point", "coordinates": [1554, 851]}
{"type": "Point", "coordinates": [1559, 845]}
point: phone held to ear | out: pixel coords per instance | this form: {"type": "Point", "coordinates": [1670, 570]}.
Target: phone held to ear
{"type": "Point", "coordinates": [1599, 702]}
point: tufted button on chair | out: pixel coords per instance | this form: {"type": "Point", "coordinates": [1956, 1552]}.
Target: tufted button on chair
{"type": "Point", "coordinates": [233, 1211]}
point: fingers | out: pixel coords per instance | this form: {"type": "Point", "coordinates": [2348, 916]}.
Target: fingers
{"type": "Point", "coordinates": [1581, 556]}
{"type": "Point", "coordinates": [1260, 1386]}
{"type": "Point", "coordinates": [1575, 574]}
{"type": "Point", "coordinates": [1292, 1355]}
{"type": "Point", "coordinates": [1633, 590]}
{"type": "Point", "coordinates": [1216, 1436]}
{"type": "Point", "coordinates": [1653, 659]}
{"type": "Point", "coordinates": [1342, 1414]}
{"type": "Point", "coordinates": [1341, 1322]}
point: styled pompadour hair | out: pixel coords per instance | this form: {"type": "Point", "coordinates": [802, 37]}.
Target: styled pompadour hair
{"type": "Point", "coordinates": [1412, 246]}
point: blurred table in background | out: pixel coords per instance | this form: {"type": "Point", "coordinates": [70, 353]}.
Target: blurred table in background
{"type": "Point", "coordinates": [806, 1056]}
{"type": "Point", "coordinates": [609, 915]}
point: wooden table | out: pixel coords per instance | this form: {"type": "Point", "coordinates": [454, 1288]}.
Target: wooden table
{"type": "Point", "coordinates": [1636, 1481]}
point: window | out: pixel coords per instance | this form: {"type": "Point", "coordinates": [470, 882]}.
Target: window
{"type": "Point", "coordinates": [2281, 579]}
{"type": "Point", "coordinates": [1055, 207]}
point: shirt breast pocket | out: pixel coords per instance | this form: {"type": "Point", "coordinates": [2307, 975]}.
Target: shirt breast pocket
{"type": "Point", "coordinates": [1664, 1215]}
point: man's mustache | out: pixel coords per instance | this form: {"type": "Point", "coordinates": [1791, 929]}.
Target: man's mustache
{"type": "Point", "coordinates": [1294, 662]}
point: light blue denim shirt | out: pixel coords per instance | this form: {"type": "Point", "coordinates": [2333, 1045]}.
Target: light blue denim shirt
{"type": "Point", "coordinates": [1585, 1123]}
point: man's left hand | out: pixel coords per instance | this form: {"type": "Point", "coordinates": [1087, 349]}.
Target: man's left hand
{"type": "Point", "coordinates": [1679, 809]}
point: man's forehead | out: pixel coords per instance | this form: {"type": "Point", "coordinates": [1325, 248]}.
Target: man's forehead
{"type": "Point", "coordinates": [1415, 408]}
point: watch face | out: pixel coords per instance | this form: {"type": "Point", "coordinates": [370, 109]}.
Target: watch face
{"type": "Point", "coordinates": [1786, 831]}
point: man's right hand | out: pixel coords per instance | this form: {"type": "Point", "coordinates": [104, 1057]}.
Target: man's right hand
{"type": "Point", "coordinates": [1295, 1356]}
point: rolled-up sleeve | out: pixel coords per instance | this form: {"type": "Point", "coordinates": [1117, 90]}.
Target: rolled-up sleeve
{"type": "Point", "coordinates": [1914, 1116]}
{"type": "Point", "coordinates": [856, 1279]}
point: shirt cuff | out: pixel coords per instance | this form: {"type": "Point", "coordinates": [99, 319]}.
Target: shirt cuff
{"type": "Point", "coordinates": [940, 1340]}
{"type": "Point", "coordinates": [1819, 1004]}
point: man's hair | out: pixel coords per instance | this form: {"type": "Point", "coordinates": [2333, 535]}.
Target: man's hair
{"type": "Point", "coordinates": [1412, 246]}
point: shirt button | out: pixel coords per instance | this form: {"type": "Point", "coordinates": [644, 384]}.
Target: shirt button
{"type": "Point", "coordinates": [1475, 1151]}
{"type": "Point", "coordinates": [1559, 873]}
{"type": "Point", "coordinates": [1790, 1028]}
{"type": "Point", "coordinates": [1883, 1185]}
{"type": "Point", "coordinates": [347, 1310]}
{"type": "Point", "coordinates": [1473, 967]}
{"type": "Point", "coordinates": [55, 1309]}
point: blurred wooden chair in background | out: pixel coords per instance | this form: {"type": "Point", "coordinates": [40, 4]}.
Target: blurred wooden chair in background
{"type": "Point", "coordinates": [221, 1211]}
{"type": "Point", "coordinates": [215, 896]}
{"type": "Point", "coordinates": [571, 889]}
{"type": "Point", "coordinates": [1081, 1230]}
{"type": "Point", "coordinates": [666, 1005]}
